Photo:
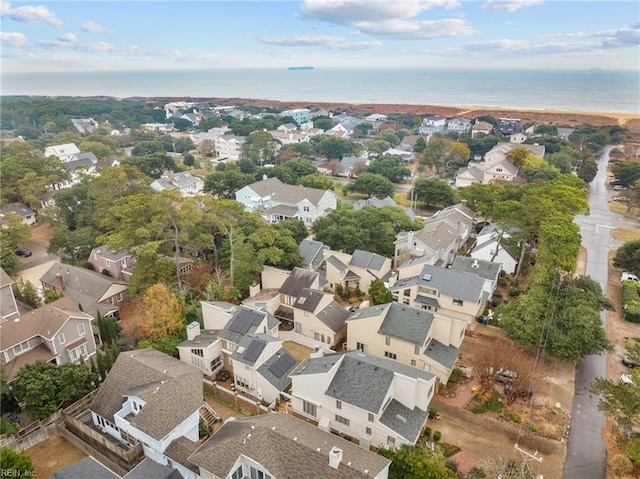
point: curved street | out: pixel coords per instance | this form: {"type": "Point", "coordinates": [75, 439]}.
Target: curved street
{"type": "Point", "coordinates": [586, 450]}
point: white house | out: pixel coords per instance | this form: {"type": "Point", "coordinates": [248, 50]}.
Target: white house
{"type": "Point", "coordinates": [278, 201]}
{"type": "Point", "coordinates": [458, 125]}
{"type": "Point", "coordinates": [490, 247]}
{"type": "Point", "coordinates": [378, 401]}
{"type": "Point", "coordinates": [151, 398]}
{"type": "Point", "coordinates": [186, 183]}
{"type": "Point", "coordinates": [299, 115]}
{"type": "Point", "coordinates": [229, 146]}
{"type": "Point", "coordinates": [65, 152]}
{"type": "Point", "coordinates": [432, 124]}
{"type": "Point", "coordinates": [26, 214]}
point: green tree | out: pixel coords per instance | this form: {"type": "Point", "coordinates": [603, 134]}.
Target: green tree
{"type": "Point", "coordinates": [152, 165]}
{"type": "Point", "coordinates": [146, 148]}
{"type": "Point", "coordinates": [414, 463]}
{"type": "Point", "coordinates": [25, 292]}
{"type": "Point", "coordinates": [433, 191]}
{"type": "Point", "coordinates": [379, 293]}
{"type": "Point", "coordinates": [628, 257]}
{"type": "Point", "coordinates": [259, 147]}
{"type": "Point", "coordinates": [226, 182]}
{"type": "Point", "coordinates": [332, 147]}
{"type": "Point", "coordinates": [17, 463]}
{"type": "Point", "coordinates": [588, 169]}
{"type": "Point", "coordinates": [419, 145]}
{"type": "Point", "coordinates": [445, 156]}
{"type": "Point", "coordinates": [324, 122]}
{"type": "Point", "coordinates": [316, 180]}
{"type": "Point", "coordinates": [13, 232]}
{"type": "Point", "coordinates": [291, 171]}
{"type": "Point", "coordinates": [627, 172]}
{"type": "Point", "coordinates": [370, 184]}
{"type": "Point", "coordinates": [620, 400]}
{"type": "Point", "coordinates": [389, 166]}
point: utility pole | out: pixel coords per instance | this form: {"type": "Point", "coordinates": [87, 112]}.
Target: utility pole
{"type": "Point", "coordinates": [525, 457]}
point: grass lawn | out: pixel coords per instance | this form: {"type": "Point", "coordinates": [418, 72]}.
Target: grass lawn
{"type": "Point", "coordinates": [626, 234]}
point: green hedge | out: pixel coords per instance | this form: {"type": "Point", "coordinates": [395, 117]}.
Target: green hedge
{"type": "Point", "coordinates": [631, 301]}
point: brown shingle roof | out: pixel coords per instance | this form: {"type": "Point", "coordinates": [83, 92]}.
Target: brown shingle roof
{"type": "Point", "coordinates": [289, 194]}
{"type": "Point", "coordinates": [172, 390]}
{"type": "Point", "coordinates": [285, 447]}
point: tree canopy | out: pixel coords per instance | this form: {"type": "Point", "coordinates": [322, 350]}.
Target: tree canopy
{"type": "Point", "coordinates": [410, 462]}
{"type": "Point", "coordinates": [370, 184]}
{"type": "Point", "coordinates": [628, 257]}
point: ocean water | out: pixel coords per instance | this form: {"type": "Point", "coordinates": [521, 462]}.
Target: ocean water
{"type": "Point", "coordinates": [584, 90]}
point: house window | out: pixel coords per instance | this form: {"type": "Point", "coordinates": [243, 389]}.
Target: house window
{"type": "Point", "coordinates": [308, 408]}
{"type": "Point", "coordinates": [322, 337]}
{"type": "Point", "coordinates": [107, 262]}
{"type": "Point", "coordinates": [407, 292]}
{"type": "Point", "coordinates": [416, 349]}
{"type": "Point", "coordinates": [342, 420]}
{"type": "Point", "coordinates": [406, 300]}
{"type": "Point", "coordinates": [387, 341]}
{"type": "Point", "coordinates": [242, 382]}
{"type": "Point", "coordinates": [458, 302]}
{"type": "Point", "coordinates": [197, 352]}
{"type": "Point", "coordinates": [23, 346]}
{"type": "Point", "coordinates": [391, 441]}
{"type": "Point", "coordinates": [257, 473]}
{"type": "Point", "coordinates": [306, 209]}
{"type": "Point", "coordinates": [215, 363]}
{"type": "Point", "coordinates": [119, 297]}
{"type": "Point", "coordinates": [61, 338]}
{"type": "Point", "coordinates": [367, 431]}
{"type": "Point", "coordinates": [316, 336]}
{"type": "Point", "coordinates": [338, 404]}
{"type": "Point", "coordinates": [76, 353]}
{"type": "Point", "coordinates": [371, 418]}
{"type": "Point", "coordinates": [389, 355]}
{"type": "Point", "coordinates": [81, 329]}
{"type": "Point", "coordinates": [361, 347]}
{"type": "Point", "coordinates": [413, 363]}
{"type": "Point", "coordinates": [197, 362]}
{"type": "Point", "coordinates": [237, 474]}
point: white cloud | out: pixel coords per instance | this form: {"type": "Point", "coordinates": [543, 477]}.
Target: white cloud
{"type": "Point", "coordinates": [418, 30]}
{"type": "Point", "coordinates": [92, 27]}
{"type": "Point", "coordinates": [68, 37]}
{"type": "Point", "coordinates": [508, 46]}
{"type": "Point", "coordinates": [30, 14]}
{"type": "Point", "coordinates": [16, 40]}
{"type": "Point", "coordinates": [356, 46]}
{"type": "Point", "coordinates": [510, 5]}
{"type": "Point", "coordinates": [326, 41]}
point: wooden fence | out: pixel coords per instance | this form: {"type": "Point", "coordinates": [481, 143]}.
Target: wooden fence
{"type": "Point", "coordinates": [234, 398]}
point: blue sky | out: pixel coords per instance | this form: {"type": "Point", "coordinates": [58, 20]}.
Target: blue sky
{"type": "Point", "coordinates": [44, 36]}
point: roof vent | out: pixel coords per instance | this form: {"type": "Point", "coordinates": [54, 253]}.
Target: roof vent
{"type": "Point", "coordinates": [17, 320]}
{"type": "Point", "coordinates": [295, 438]}
{"type": "Point", "coordinates": [335, 457]}
{"type": "Point", "coordinates": [475, 263]}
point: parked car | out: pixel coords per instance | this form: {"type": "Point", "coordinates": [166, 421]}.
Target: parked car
{"type": "Point", "coordinates": [629, 277]}
{"type": "Point", "coordinates": [506, 376]}
{"type": "Point", "coordinates": [621, 199]}
{"type": "Point", "coordinates": [628, 362]}
{"type": "Point", "coordinates": [23, 252]}
{"type": "Point", "coordinates": [618, 187]}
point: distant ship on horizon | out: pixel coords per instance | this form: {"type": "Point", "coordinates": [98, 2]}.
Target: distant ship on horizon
{"type": "Point", "coordinates": [304, 67]}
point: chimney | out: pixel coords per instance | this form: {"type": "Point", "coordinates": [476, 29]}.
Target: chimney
{"type": "Point", "coordinates": [264, 177]}
{"type": "Point", "coordinates": [254, 289]}
{"type": "Point", "coordinates": [392, 278]}
{"type": "Point", "coordinates": [59, 282]}
{"type": "Point", "coordinates": [410, 240]}
{"type": "Point", "coordinates": [335, 457]}
{"type": "Point", "coordinates": [317, 352]}
{"type": "Point", "coordinates": [193, 330]}
{"type": "Point", "coordinates": [475, 263]}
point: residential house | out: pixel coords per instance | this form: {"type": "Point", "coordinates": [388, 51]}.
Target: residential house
{"type": "Point", "coordinates": [441, 237]}
{"type": "Point", "coordinates": [290, 285]}
{"type": "Point", "coordinates": [280, 446]}
{"type": "Point", "coordinates": [225, 324]}
{"type": "Point", "coordinates": [489, 271]}
{"type": "Point", "coordinates": [407, 156]}
{"type": "Point", "coordinates": [93, 292]}
{"type": "Point", "coordinates": [350, 166]}
{"type": "Point", "coordinates": [229, 146]}
{"type": "Point", "coordinates": [565, 132]}
{"type": "Point", "coordinates": [8, 306]}
{"type": "Point", "coordinates": [299, 115]}
{"type": "Point", "coordinates": [91, 468]}
{"type": "Point", "coordinates": [289, 137]}
{"type": "Point", "coordinates": [377, 401]}
{"type": "Point", "coordinates": [158, 127]}
{"type": "Point", "coordinates": [517, 138]}
{"type": "Point", "coordinates": [261, 367]}
{"type": "Point", "coordinates": [338, 131]}
{"type": "Point", "coordinates": [413, 336]}
{"type": "Point", "coordinates": [57, 332]}
{"type": "Point", "coordinates": [183, 181]}
{"type": "Point", "coordinates": [355, 271]}
{"type": "Point", "coordinates": [454, 293]}
{"type": "Point", "coordinates": [192, 117]}
{"type": "Point", "coordinates": [458, 125]}
{"type": "Point", "coordinates": [508, 126]}
{"type": "Point", "coordinates": [175, 108]}
{"type": "Point", "coordinates": [85, 125]}
{"type": "Point", "coordinates": [490, 247]}
{"type": "Point", "coordinates": [79, 166]}
{"type": "Point", "coordinates": [118, 264]}
{"type": "Point", "coordinates": [318, 316]}
{"type": "Point", "coordinates": [278, 201]}
{"type": "Point", "coordinates": [287, 127]}
{"type": "Point", "coordinates": [209, 135]}
{"type": "Point", "coordinates": [151, 398]}
{"type": "Point", "coordinates": [65, 152]}
{"type": "Point", "coordinates": [380, 203]}
{"type": "Point", "coordinates": [432, 124]}
{"type": "Point", "coordinates": [347, 123]}
{"type": "Point", "coordinates": [26, 214]}
{"type": "Point", "coordinates": [376, 119]}
{"type": "Point", "coordinates": [481, 127]}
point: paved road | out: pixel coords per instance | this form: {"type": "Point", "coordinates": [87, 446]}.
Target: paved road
{"type": "Point", "coordinates": [586, 452]}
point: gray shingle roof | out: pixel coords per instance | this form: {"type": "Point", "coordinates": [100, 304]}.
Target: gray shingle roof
{"type": "Point", "coordinates": [148, 469]}
{"type": "Point", "coordinates": [309, 300]}
{"type": "Point", "coordinates": [448, 282]}
{"type": "Point", "coordinates": [445, 355]}
{"type": "Point", "coordinates": [288, 194]}
{"type": "Point", "coordinates": [297, 281]}
{"type": "Point", "coordinates": [367, 260]}
{"type": "Point", "coordinates": [404, 421]}
{"type": "Point", "coordinates": [106, 253]}
{"type": "Point", "coordinates": [406, 323]}
{"type": "Point", "coordinates": [484, 269]}
{"type": "Point", "coordinates": [250, 347]}
{"type": "Point", "coordinates": [285, 447]}
{"type": "Point", "coordinates": [311, 252]}
{"type": "Point", "coordinates": [336, 263]}
{"type": "Point", "coordinates": [171, 389]}
{"type": "Point", "coordinates": [84, 469]}
{"type": "Point", "coordinates": [19, 209]}
{"type": "Point", "coordinates": [333, 316]}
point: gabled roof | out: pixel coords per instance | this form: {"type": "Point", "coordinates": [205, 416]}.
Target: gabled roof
{"type": "Point", "coordinates": [336, 263]}
{"type": "Point", "coordinates": [448, 282]}
{"type": "Point", "coordinates": [288, 194]}
{"type": "Point", "coordinates": [333, 316]}
{"type": "Point", "coordinates": [85, 468]}
{"type": "Point", "coordinates": [484, 269]}
{"type": "Point", "coordinates": [171, 389]}
{"type": "Point", "coordinates": [309, 299]}
{"type": "Point", "coordinates": [445, 355]}
{"type": "Point", "coordinates": [276, 369]}
{"type": "Point", "coordinates": [285, 447]}
{"type": "Point", "coordinates": [106, 253]}
{"type": "Point", "coordinates": [311, 252]}
{"type": "Point", "coordinates": [370, 261]}
{"type": "Point", "coordinates": [406, 323]}
{"type": "Point", "coordinates": [180, 179]}
{"type": "Point", "coordinates": [19, 209]}
{"type": "Point", "coordinates": [250, 348]}
{"type": "Point", "coordinates": [404, 421]}
{"type": "Point", "coordinates": [8, 305]}
{"type": "Point", "coordinates": [297, 281]}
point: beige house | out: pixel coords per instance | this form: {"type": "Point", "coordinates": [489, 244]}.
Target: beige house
{"type": "Point", "coordinates": [458, 294]}
{"type": "Point", "coordinates": [413, 336]}
{"type": "Point", "coordinates": [318, 316]}
{"type": "Point", "coordinates": [356, 270]}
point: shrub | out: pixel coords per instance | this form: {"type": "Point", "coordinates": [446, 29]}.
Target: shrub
{"type": "Point", "coordinates": [456, 375]}
{"type": "Point", "coordinates": [502, 281]}
{"type": "Point", "coordinates": [449, 450]}
{"type": "Point", "coordinates": [427, 432]}
{"type": "Point", "coordinates": [339, 290]}
{"type": "Point", "coordinates": [513, 292]}
{"type": "Point", "coordinates": [631, 301]}
{"type": "Point", "coordinates": [621, 465]}
{"type": "Point", "coordinates": [513, 417]}
{"type": "Point", "coordinates": [437, 436]}
{"type": "Point", "coordinates": [7, 428]}
{"type": "Point", "coordinates": [476, 473]}
{"type": "Point", "coordinates": [494, 404]}
{"type": "Point", "coordinates": [532, 427]}
{"type": "Point", "coordinates": [433, 412]}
